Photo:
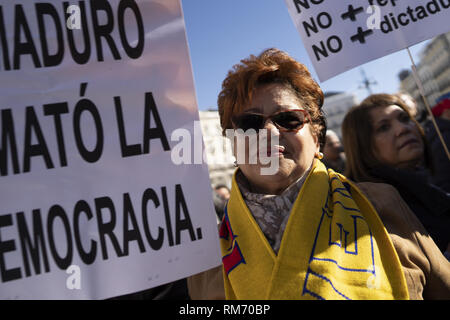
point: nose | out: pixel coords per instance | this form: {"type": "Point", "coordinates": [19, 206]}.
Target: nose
{"type": "Point", "coordinates": [271, 131]}
{"type": "Point", "coordinates": [401, 128]}
{"type": "Point", "coordinates": [271, 128]}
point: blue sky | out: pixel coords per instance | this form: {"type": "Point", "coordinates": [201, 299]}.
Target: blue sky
{"type": "Point", "coordinates": [222, 32]}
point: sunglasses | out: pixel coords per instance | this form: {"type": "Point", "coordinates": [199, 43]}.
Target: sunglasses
{"type": "Point", "coordinates": [288, 120]}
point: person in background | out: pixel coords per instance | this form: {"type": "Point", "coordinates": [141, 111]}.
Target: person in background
{"type": "Point", "coordinates": [305, 232]}
{"type": "Point", "coordinates": [223, 191]}
{"type": "Point", "coordinates": [220, 197]}
{"type": "Point", "coordinates": [333, 152]}
{"type": "Point", "coordinates": [384, 143]}
{"type": "Point", "coordinates": [441, 162]}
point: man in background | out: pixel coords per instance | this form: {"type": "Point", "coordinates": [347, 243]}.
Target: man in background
{"type": "Point", "coordinates": [220, 197]}
{"type": "Point", "coordinates": [333, 152]}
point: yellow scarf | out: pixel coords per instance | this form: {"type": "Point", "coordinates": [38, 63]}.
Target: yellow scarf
{"type": "Point", "coordinates": [334, 247]}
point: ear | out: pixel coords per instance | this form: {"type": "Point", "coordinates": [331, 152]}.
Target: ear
{"type": "Point", "coordinates": [316, 140]}
{"type": "Point", "coordinates": [315, 137]}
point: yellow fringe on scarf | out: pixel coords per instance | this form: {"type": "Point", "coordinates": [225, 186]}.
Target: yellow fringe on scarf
{"type": "Point", "coordinates": [334, 247]}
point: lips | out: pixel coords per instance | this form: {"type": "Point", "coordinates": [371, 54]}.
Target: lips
{"type": "Point", "coordinates": [276, 150]}
{"type": "Point", "coordinates": [408, 142]}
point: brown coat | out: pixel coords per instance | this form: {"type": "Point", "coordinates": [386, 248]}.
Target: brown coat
{"type": "Point", "coordinates": [426, 270]}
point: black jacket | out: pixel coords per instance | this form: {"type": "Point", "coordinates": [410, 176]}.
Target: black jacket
{"type": "Point", "coordinates": [441, 163]}
{"type": "Point", "coordinates": [430, 204]}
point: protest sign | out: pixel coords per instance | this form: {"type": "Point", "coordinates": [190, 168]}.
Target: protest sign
{"type": "Point", "coordinates": [91, 205]}
{"type": "Point", "coordinates": [340, 35]}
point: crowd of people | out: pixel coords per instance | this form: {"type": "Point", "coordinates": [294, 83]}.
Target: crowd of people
{"type": "Point", "coordinates": [365, 218]}
{"type": "Point", "coordinates": [368, 218]}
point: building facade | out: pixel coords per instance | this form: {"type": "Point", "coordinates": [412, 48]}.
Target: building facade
{"type": "Point", "coordinates": [433, 69]}
{"type": "Point", "coordinates": [335, 107]}
{"type": "Point", "coordinates": [217, 148]}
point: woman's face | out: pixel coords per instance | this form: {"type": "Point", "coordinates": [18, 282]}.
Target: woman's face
{"type": "Point", "coordinates": [397, 140]}
{"type": "Point", "coordinates": [295, 150]}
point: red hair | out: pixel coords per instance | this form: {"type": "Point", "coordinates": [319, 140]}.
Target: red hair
{"type": "Point", "coordinates": [271, 66]}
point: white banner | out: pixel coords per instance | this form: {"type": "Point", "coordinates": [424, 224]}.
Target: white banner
{"type": "Point", "coordinates": [340, 35]}
{"type": "Point", "coordinates": [91, 204]}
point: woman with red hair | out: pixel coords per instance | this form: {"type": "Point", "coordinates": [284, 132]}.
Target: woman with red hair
{"type": "Point", "coordinates": [305, 231]}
